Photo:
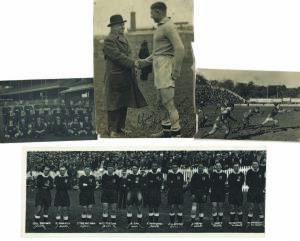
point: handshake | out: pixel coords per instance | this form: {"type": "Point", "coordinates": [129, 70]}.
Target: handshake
{"type": "Point", "coordinates": [141, 63]}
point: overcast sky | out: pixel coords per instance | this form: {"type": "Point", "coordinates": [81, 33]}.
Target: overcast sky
{"type": "Point", "coordinates": [179, 10]}
{"type": "Point", "coordinates": [290, 79]}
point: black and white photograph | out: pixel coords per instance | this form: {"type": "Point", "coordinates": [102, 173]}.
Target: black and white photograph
{"type": "Point", "coordinates": [143, 68]}
{"type": "Point", "coordinates": [144, 191]}
{"type": "Point", "coordinates": [47, 110]}
{"type": "Point", "coordinates": [248, 105]}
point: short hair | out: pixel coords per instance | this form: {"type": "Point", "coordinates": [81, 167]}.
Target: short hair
{"type": "Point", "coordinates": [159, 6]}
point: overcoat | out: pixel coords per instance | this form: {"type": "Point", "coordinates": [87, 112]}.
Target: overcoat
{"type": "Point", "coordinates": [120, 87]}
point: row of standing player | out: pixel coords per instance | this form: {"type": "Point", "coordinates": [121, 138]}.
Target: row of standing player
{"type": "Point", "coordinates": [199, 186]}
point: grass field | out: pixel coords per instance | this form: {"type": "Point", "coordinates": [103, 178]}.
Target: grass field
{"type": "Point", "coordinates": [145, 121]}
{"type": "Point", "coordinates": [122, 222]}
{"type": "Point", "coordinates": [288, 128]}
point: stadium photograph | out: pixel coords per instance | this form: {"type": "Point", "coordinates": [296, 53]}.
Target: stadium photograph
{"type": "Point", "coordinates": [47, 110]}
{"type": "Point", "coordinates": [144, 191]}
{"type": "Point", "coordinates": [247, 105]}
{"type": "Point", "coordinates": [143, 68]}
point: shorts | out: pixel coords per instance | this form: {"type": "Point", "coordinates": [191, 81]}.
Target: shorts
{"type": "Point", "coordinates": [175, 197]}
{"type": "Point", "coordinates": [43, 198]}
{"type": "Point", "coordinates": [255, 196]}
{"type": "Point", "coordinates": [86, 197]}
{"type": "Point", "coordinates": [199, 197]}
{"type": "Point", "coordinates": [153, 197]}
{"type": "Point", "coordinates": [162, 68]}
{"type": "Point", "coordinates": [134, 197]}
{"type": "Point", "coordinates": [62, 199]}
{"type": "Point", "coordinates": [109, 196]}
{"type": "Point", "coordinates": [217, 195]}
{"type": "Point", "coordinates": [235, 197]}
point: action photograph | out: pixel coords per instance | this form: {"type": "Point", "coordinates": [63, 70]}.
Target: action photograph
{"type": "Point", "coordinates": [144, 191]}
{"type": "Point", "coordinates": [47, 110]}
{"type": "Point", "coordinates": [247, 105]}
{"type": "Point", "coordinates": [144, 68]}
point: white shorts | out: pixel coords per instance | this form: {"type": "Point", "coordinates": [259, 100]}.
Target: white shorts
{"type": "Point", "coordinates": [162, 68]}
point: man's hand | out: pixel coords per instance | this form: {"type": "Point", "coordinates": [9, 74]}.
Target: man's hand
{"type": "Point", "coordinates": [142, 63]}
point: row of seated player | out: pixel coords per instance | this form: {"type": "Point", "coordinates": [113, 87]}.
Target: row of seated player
{"type": "Point", "coordinates": [40, 128]}
{"type": "Point", "coordinates": [202, 187]}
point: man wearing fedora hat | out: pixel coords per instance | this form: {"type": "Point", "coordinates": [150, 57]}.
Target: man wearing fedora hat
{"type": "Point", "coordinates": [120, 89]}
{"type": "Point", "coordinates": [167, 57]}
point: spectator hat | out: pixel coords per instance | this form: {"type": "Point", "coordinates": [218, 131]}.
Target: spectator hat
{"type": "Point", "coordinates": [116, 19]}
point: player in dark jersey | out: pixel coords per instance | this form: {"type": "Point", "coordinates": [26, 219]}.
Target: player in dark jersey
{"type": "Point", "coordinates": [236, 180]}
{"type": "Point", "coordinates": [87, 185]}
{"type": "Point", "coordinates": [44, 183]}
{"type": "Point", "coordinates": [222, 121]}
{"type": "Point", "coordinates": [248, 115]}
{"type": "Point", "coordinates": [62, 199]}
{"type": "Point", "coordinates": [175, 183]}
{"type": "Point", "coordinates": [271, 116]}
{"type": "Point", "coordinates": [199, 187]}
{"type": "Point", "coordinates": [255, 180]}
{"type": "Point", "coordinates": [154, 187]}
{"type": "Point", "coordinates": [134, 195]}
{"type": "Point", "coordinates": [145, 192]}
{"type": "Point", "coordinates": [123, 189]}
{"type": "Point", "coordinates": [217, 197]}
{"type": "Point", "coordinates": [109, 197]}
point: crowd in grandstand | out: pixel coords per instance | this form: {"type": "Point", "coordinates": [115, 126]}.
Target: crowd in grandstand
{"type": "Point", "coordinates": [207, 94]}
{"type": "Point", "coordinates": [38, 120]}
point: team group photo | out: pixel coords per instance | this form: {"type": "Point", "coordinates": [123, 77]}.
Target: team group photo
{"type": "Point", "coordinates": [145, 191]}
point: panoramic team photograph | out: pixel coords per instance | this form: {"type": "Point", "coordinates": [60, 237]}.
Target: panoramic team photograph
{"type": "Point", "coordinates": [144, 191]}
{"type": "Point", "coordinates": [247, 105]}
{"type": "Point", "coordinates": [143, 68]}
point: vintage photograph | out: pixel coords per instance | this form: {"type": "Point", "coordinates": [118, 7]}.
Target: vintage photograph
{"type": "Point", "coordinates": [47, 110]}
{"type": "Point", "coordinates": [144, 68]}
{"type": "Point", "coordinates": [247, 105]}
{"type": "Point", "coordinates": [144, 191]}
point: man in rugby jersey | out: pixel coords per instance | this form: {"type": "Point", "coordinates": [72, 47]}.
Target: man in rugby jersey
{"type": "Point", "coordinates": [134, 195]}
{"type": "Point", "coordinates": [271, 116]}
{"type": "Point", "coordinates": [236, 180]}
{"type": "Point", "coordinates": [217, 197]}
{"type": "Point", "coordinates": [199, 187]}
{"type": "Point", "coordinates": [44, 183]}
{"type": "Point", "coordinates": [87, 185]}
{"type": "Point", "coordinates": [109, 197]}
{"type": "Point", "coordinates": [62, 199]}
{"type": "Point", "coordinates": [255, 180]}
{"type": "Point", "coordinates": [175, 183]}
{"type": "Point", "coordinates": [154, 187]}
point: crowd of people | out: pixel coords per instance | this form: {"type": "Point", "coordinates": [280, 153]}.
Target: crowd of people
{"type": "Point", "coordinates": [209, 95]}
{"type": "Point", "coordinates": [44, 120]}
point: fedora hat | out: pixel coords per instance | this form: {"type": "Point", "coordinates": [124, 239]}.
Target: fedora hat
{"type": "Point", "coordinates": [116, 19]}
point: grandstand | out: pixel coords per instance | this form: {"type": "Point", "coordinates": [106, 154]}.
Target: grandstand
{"type": "Point", "coordinates": [37, 110]}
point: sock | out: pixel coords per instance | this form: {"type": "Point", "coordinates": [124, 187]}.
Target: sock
{"type": "Point", "coordinates": [220, 217]}
{"type": "Point", "coordinates": [250, 216]}
{"type": "Point", "coordinates": [172, 217]}
{"type": "Point", "coordinates": [215, 215]}
{"type": "Point", "coordinates": [65, 218]}
{"type": "Point", "coordinates": [58, 217]}
{"type": "Point", "coordinates": [83, 217]}
{"type": "Point", "coordinates": [232, 216]}
{"type": "Point", "coordinates": [150, 217]}
{"type": "Point", "coordinates": [179, 217]}
{"type": "Point", "coordinates": [37, 218]}
{"type": "Point", "coordinates": [45, 217]}
{"type": "Point", "coordinates": [129, 218]}
{"type": "Point", "coordinates": [113, 218]}
{"type": "Point", "coordinates": [104, 217]}
{"type": "Point", "coordinates": [156, 217]}
{"type": "Point", "coordinates": [139, 217]}
{"type": "Point", "coordinates": [261, 218]}
{"type": "Point", "coordinates": [240, 216]}
{"type": "Point", "coordinates": [201, 216]}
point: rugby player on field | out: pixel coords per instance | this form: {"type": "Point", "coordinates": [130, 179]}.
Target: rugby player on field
{"type": "Point", "coordinates": [87, 185]}
{"type": "Point", "coordinates": [44, 183]}
{"type": "Point", "coordinates": [62, 199]}
{"type": "Point", "coordinates": [109, 197]}
{"type": "Point", "coordinates": [199, 187]}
